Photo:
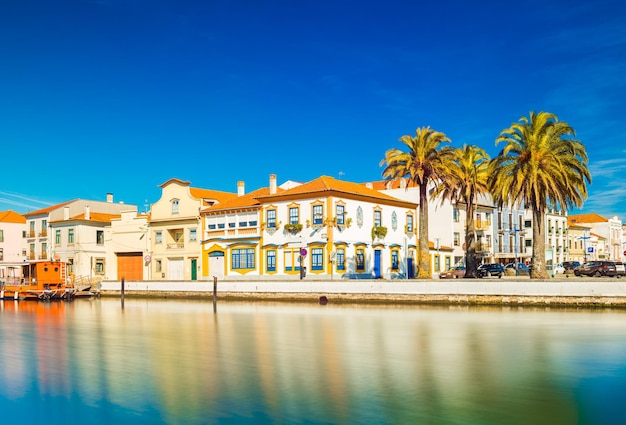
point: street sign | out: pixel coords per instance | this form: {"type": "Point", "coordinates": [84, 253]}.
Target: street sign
{"type": "Point", "coordinates": [303, 252]}
{"type": "Point", "coordinates": [590, 249]}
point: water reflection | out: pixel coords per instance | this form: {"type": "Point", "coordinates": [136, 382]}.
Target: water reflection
{"type": "Point", "coordinates": [177, 362]}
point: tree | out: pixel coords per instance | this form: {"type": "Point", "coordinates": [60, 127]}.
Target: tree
{"type": "Point", "coordinates": [467, 180]}
{"type": "Point", "coordinates": [540, 167]}
{"type": "Point", "coordinates": [425, 162]}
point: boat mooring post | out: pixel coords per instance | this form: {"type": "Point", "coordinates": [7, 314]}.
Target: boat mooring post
{"type": "Point", "coordinates": [214, 292]}
{"type": "Point", "coordinates": [122, 293]}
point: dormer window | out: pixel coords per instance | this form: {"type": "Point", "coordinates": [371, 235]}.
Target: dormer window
{"type": "Point", "coordinates": [175, 208]}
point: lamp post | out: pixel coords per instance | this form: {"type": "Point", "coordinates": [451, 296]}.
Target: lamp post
{"type": "Point", "coordinates": [515, 231]}
{"type": "Point", "coordinates": [584, 239]}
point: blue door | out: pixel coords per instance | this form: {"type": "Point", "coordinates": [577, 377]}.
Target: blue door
{"type": "Point", "coordinates": [377, 273]}
{"type": "Point", "coordinates": [409, 266]}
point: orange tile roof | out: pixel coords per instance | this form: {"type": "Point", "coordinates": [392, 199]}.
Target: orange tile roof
{"type": "Point", "coordinates": [218, 195]}
{"type": "Point", "coordinates": [47, 209]}
{"type": "Point", "coordinates": [586, 218]}
{"type": "Point", "coordinates": [249, 200]}
{"type": "Point", "coordinates": [329, 184]}
{"type": "Point", "coordinates": [11, 217]}
{"type": "Point", "coordinates": [94, 216]}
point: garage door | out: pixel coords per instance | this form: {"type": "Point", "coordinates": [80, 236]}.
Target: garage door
{"type": "Point", "coordinates": [130, 266]}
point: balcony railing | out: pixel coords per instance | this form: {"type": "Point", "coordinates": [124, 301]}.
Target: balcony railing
{"type": "Point", "coordinates": [179, 245]}
{"type": "Point", "coordinates": [43, 256]}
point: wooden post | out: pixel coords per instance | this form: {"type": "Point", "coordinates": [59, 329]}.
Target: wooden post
{"type": "Point", "coordinates": [122, 293]}
{"type": "Point", "coordinates": [214, 292]}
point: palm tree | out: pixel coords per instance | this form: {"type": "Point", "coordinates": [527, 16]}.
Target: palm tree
{"type": "Point", "coordinates": [425, 162]}
{"type": "Point", "coordinates": [541, 166]}
{"type": "Point", "coordinates": [467, 180]}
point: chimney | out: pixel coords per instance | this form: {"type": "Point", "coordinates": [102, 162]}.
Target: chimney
{"type": "Point", "coordinates": [388, 185]}
{"type": "Point", "coordinates": [272, 184]}
{"type": "Point", "coordinates": [109, 197]}
{"type": "Point", "coordinates": [369, 185]}
{"type": "Point", "coordinates": [87, 212]}
{"type": "Point", "coordinates": [66, 213]}
{"type": "Point", "coordinates": [240, 188]}
{"type": "Point", "coordinates": [402, 183]}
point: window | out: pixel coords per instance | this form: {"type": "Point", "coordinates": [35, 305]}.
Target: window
{"type": "Point", "coordinates": [44, 250]}
{"type": "Point", "coordinates": [175, 206]}
{"type": "Point", "coordinates": [409, 223]}
{"type": "Point", "coordinates": [193, 235]}
{"type": "Point", "coordinates": [100, 237]}
{"type": "Point", "coordinates": [1, 254]}
{"type": "Point", "coordinates": [158, 237]}
{"type": "Point", "coordinates": [395, 260]}
{"type": "Point", "coordinates": [212, 226]}
{"type": "Point", "coordinates": [340, 259]}
{"type": "Point", "coordinates": [457, 238]}
{"type": "Point", "coordinates": [242, 258]}
{"type": "Point", "coordinates": [157, 265]}
{"type": "Point", "coordinates": [317, 259]}
{"type": "Point", "coordinates": [99, 266]}
{"type": "Point", "coordinates": [220, 225]}
{"type": "Point", "coordinates": [437, 263]}
{"type": "Point", "coordinates": [57, 237]}
{"type": "Point", "coordinates": [341, 212]}
{"type": "Point", "coordinates": [455, 215]}
{"type": "Point", "coordinates": [378, 221]}
{"type": "Point", "coordinates": [318, 216]}
{"type": "Point", "coordinates": [360, 260]}
{"type": "Point", "coordinates": [292, 260]}
{"type": "Point", "coordinates": [44, 227]}
{"type": "Point", "coordinates": [231, 225]}
{"type": "Point", "coordinates": [70, 236]}
{"type": "Point", "coordinates": [70, 265]}
{"type": "Point", "coordinates": [271, 219]}
{"type": "Point", "coordinates": [294, 215]}
{"type": "Point", "coordinates": [271, 260]}
{"type": "Point", "coordinates": [1, 235]}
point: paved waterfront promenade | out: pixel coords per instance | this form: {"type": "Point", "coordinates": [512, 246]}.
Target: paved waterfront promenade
{"type": "Point", "coordinates": [509, 290]}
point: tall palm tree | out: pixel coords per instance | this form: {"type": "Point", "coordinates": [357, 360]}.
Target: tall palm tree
{"type": "Point", "coordinates": [424, 162]}
{"type": "Point", "coordinates": [467, 180]}
{"type": "Point", "coordinates": [541, 166]}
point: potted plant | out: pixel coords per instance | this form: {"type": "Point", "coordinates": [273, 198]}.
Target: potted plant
{"type": "Point", "coordinates": [293, 228]}
{"type": "Point", "coordinates": [379, 232]}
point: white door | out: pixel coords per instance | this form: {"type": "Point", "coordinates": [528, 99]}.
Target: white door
{"type": "Point", "coordinates": [176, 269]}
{"type": "Point", "coordinates": [216, 264]}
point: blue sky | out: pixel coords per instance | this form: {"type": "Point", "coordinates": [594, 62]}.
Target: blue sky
{"type": "Point", "coordinates": [119, 96]}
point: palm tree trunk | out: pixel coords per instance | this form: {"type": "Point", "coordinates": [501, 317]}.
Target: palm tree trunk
{"type": "Point", "coordinates": [424, 250]}
{"type": "Point", "coordinates": [539, 246]}
{"type": "Point", "coordinates": [471, 263]}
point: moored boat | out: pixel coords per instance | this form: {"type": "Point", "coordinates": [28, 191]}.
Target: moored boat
{"type": "Point", "coordinates": [40, 280]}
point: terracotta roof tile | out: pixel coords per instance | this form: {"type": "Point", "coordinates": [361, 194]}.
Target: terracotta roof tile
{"type": "Point", "coordinates": [94, 216]}
{"type": "Point", "coordinates": [218, 195]}
{"type": "Point", "coordinates": [11, 217]}
{"type": "Point", "coordinates": [586, 218]}
{"type": "Point", "coordinates": [47, 209]}
{"type": "Point", "coordinates": [249, 200]}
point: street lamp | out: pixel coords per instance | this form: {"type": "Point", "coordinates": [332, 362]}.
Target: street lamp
{"type": "Point", "coordinates": [515, 231]}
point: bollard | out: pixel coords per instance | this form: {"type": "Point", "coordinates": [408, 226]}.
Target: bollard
{"type": "Point", "coordinates": [214, 292]}
{"type": "Point", "coordinates": [122, 293]}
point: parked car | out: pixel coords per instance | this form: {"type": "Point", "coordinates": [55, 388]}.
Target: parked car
{"type": "Point", "coordinates": [570, 265]}
{"type": "Point", "coordinates": [521, 268]}
{"type": "Point", "coordinates": [596, 268]}
{"type": "Point", "coordinates": [559, 269]}
{"type": "Point", "coordinates": [457, 272]}
{"type": "Point", "coordinates": [493, 269]}
{"type": "Point", "coordinates": [620, 269]}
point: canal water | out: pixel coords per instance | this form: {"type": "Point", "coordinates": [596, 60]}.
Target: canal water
{"type": "Point", "coordinates": [181, 362]}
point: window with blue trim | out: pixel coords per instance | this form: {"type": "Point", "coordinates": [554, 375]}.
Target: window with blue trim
{"type": "Point", "coordinates": [360, 260]}
{"type": "Point", "coordinates": [317, 259]}
{"type": "Point", "coordinates": [242, 258]}
{"type": "Point", "coordinates": [340, 259]}
{"type": "Point", "coordinates": [340, 211]}
{"type": "Point", "coordinates": [318, 216]}
{"type": "Point", "coordinates": [294, 215]}
{"type": "Point", "coordinates": [271, 219]}
{"type": "Point", "coordinates": [175, 206]}
{"type": "Point", "coordinates": [271, 260]}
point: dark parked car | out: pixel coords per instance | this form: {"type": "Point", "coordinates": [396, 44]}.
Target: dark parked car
{"type": "Point", "coordinates": [596, 268]}
{"type": "Point", "coordinates": [493, 269]}
{"type": "Point", "coordinates": [457, 272]}
{"type": "Point", "coordinates": [570, 265]}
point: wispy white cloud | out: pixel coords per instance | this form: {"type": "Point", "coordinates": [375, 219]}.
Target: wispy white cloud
{"type": "Point", "coordinates": [20, 201]}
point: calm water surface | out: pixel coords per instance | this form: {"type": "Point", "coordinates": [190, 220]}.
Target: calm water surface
{"type": "Point", "coordinates": [178, 362]}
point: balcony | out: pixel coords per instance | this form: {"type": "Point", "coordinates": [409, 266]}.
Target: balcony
{"type": "Point", "coordinates": [43, 256]}
{"type": "Point", "coordinates": [482, 225]}
{"type": "Point", "coordinates": [178, 245]}
{"type": "Point", "coordinates": [43, 234]}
